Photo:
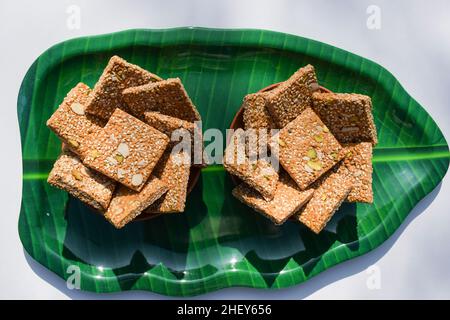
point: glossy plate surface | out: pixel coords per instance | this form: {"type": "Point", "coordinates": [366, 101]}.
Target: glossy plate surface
{"type": "Point", "coordinates": [218, 242]}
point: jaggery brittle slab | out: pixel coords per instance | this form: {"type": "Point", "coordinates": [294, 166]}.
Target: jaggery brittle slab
{"type": "Point", "coordinates": [288, 199]}
{"type": "Point", "coordinates": [173, 170]}
{"type": "Point", "coordinates": [117, 76]}
{"type": "Point", "coordinates": [71, 123]}
{"type": "Point", "coordinates": [347, 115]}
{"type": "Point", "coordinates": [326, 199]}
{"type": "Point", "coordinates": [306, 148]}
{"type": "Point", "coordinates": [126, 150]}
{"type": "Point", "coordinates": [167, 97]}
{"type": "Point", "coordinates": [292, 96]}
{"type": "Point", "coordinates": [258, 174]}
{"type": "Point", "coordinates": [71, 175]}
{"type": "Point", "coordinates": [127, 204]}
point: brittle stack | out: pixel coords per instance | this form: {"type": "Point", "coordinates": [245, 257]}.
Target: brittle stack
{"type": "Point", "coordinates": [324, 146]}
{"type": "Point", "coordinates": [117, 153]}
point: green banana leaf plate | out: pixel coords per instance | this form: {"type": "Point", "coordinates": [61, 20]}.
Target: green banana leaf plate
{"type": "Point", "coordinates": [217, 242]}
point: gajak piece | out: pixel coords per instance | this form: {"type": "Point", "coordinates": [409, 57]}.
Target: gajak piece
{"type": "Point", "coordinates": [358, 163]}
{"type": "Point", "coordinates": [117, 76]}
{"type": "Point", "coordinates": [71, 175]}
{"type": "Point", "coordinates": [173, 170]}
{"type": "Point", "coordinates": [257, 143]}
{"type": "Point", "coordinates": [126, 150]}
{"type": "Point", "coordinates": [292, 96]}
{"type": "Point", "coordinates": [255, 113]}
{"type": "Point", "coordinates": [288, 199]}
{"type": "Point", "coordinates": [127, 204]}
{"type": "Point", "coordinates": [257, 118]}
{"type": "Point", "coordinates": [168, 125]}
{"type": "Point", "coordinates": [307, 149]}
{"type": "Point", "coordinates": [326, 199]}
{"type": "Point", "coordinates": [348, 115]}
{"type": "Point", "coordinates": [258, 174]}
{"type": "Point", "coordinates": [167, 97]}
{"type": "Point", "coordinates": [70, 122]}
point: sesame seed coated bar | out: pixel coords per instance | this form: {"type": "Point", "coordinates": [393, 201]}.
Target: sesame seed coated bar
{"type": "Point", "coordinates": [255, 114]}
{"type": "Point", "coordinates": [326, 199]}
{"type": "Point", "coordinates": [127, 204]}
{"type": "Point", "coordinates": [71, 175]}
{"type": "Point", "coordinates": [307, 149]}
{"type": "Point", "coordinates": [288, 199]}
{"type": "Point", "coordinates": [348, 115]}
{"type": "Point", "coordinates": [358, 163]}
{"type": "Point", "coordinates": [173, 170]}
{"type": "Point", "coordinates": [292, 96]}
{"type": "Point", "coordinates": [168, 125]}
{"type": "Point", "coordinates": [70, 122]}
{"type": "Point", "coordinates": [167, 97]}
{"type": "Point", "coordinates": [257, 143]}
{"type": "Point", "coordinates": [117, 76]}
{"type": "Point", "coordinates": [126, 150]}
{"type": "Point", "coordinates": [258, 174]}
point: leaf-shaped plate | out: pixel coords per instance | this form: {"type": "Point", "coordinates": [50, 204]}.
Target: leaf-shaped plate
{"type": "Point", "coordinates": [217, 242]}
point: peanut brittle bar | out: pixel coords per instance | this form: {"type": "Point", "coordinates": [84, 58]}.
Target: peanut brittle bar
{"type": "Point", "coordinates": [70, 122]}
{"type": "Point", "coordinates": [288, 199]}
{"type": "Point", "coordinates": [71, 175]}
{"type": "Point", "coordinates": [173, 170]}
{"type": "Point", "coordinates": [358, 163]}
{"type": "Point", "coordinates": [126, 150]}
{"type": "Point", "coordinates": [347, 115]}
{"type": "Point", "coordinates": [326, 199]}
{"type": "Point", "coordinates": [292, 96]}
{"type": "Point", "coordinates": [307, 149]}
{"type": "Point", "coordinates": [117, 76]}
{"type": "Point", "coordinates": [258, 174]}
{"type": "Point", "coordinates": [167, 97]}
{"type": "Point", "coordinates": [127, 204]}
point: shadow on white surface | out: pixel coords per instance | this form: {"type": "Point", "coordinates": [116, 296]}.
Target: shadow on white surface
{"type": "Point", "coordinates": [300, 291]}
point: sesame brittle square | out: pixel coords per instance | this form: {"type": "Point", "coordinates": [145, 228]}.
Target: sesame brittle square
{"type": "Point", "coordinates": [126, 150]}
{"type": "Point", "coordinates": [173, 170]}
{"type": "Point", "coordinates": [117, 76]}
{"type": "Point", "coordinates": [70, 122]}
{"type": "Point", "coordinates": [292, 96]}
{"type": "Point", "coordinates": [358, 163]}
{"type": "Point", "coordinates": [258, 174]}
{"type": "Point", "coordinates": [326, 199]}
{"type": "Point", "coordinates": [287, 200]}
{"type": "Point", "coordinates": [255, 114]}
{"type": "Point", "coordinates": [307, 149]}
{"type": "Point", "coordinates": [71, 175]}
{"type": "Point", "coordinates": [127, 204]}
{"type": "Point", "coordinates": [167, 97]}
{"type": "Point", "coordinates": [347, 115]}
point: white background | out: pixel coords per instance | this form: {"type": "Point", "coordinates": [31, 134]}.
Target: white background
{"type": "Point", "coordinates": [413, 43]}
